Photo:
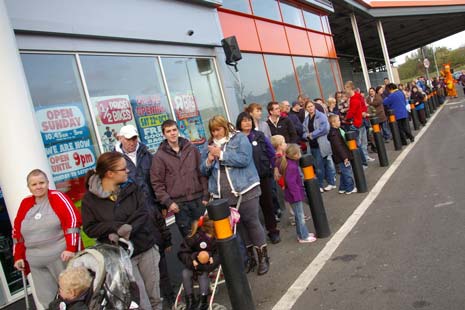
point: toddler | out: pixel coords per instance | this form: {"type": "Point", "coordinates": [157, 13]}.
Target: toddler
{"type": "Point", "coordinates": [74, 287]}
{"type": "Point", "coordinates": [200, 256]}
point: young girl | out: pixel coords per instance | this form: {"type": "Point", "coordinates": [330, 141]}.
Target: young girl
{"type": "Point", "coordinates": [200, 256]}
{"type": "Point", "coordinates": [294, 190]}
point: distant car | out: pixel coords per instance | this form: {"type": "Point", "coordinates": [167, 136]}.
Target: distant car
{"type": "Point", "coordinates": [457, 74]}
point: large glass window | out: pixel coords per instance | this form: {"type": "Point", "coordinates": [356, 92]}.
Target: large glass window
{"type": "Point", "coordinates": [312, 21]}
{"type": "Point", "coordinates": [237, 5]}
{"type": "Point", "coordinates": [307, 76]}
{"type": "Point", "coordinates": [266, 8]}
{"type": "Point", "coordinates": [337, 74]}
{"type": "Point", "coordinates": [195, 94]}
{"type": "Point", "coordinates": [282, 77]}
{"type": "Point", "coordinates": [126, 90]}
{"type": "Point", "coordinates": [292, 15]}
{"type": "Point", "coordinates": [63, 119]}
{"type": "Point", "coordinates": [325, 22]}
{"type": "Point", "coordinates": [255, 86]}
{"type": "Point", "coordinates": [326, 77]}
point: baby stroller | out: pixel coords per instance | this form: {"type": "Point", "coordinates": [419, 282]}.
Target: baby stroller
{"type": "Point", "coordinates": [114, 286]}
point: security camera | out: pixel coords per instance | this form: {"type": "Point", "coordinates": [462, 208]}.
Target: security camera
{"type": "Point", "coordinates": [190, 32]}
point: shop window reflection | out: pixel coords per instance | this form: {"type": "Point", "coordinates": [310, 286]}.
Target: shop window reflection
{"type": "Point", "coordinates": [237, 5]}
{"type": "Point", "coordinates": [126, 90]}
{"type": "Point", "coordinates": [282, 77]}
{"type": "Point", "coordinates": [307, 76]}
{"type": "Point", "coordinates": [63, 119]}
{"type": "Point", "coordinates": [12, 276]}
{"type": "Point", "coordinates": [267, 9]}
{"type": "Point", "coordinates": [292, 15]}
{"type": "Point", "coordinates": [337, 74]}
{"type": "Point", "coordinates": [195, 94]}
{"type": "Point", "coordinates": [254, 82]}
{"type": "Point", "coordinates": [313, 21]}
{"type": "Point", "coordinates": [326, 77]}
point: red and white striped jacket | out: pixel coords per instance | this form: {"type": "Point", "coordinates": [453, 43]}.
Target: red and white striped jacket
{"type": "Point", "coordinates": [67, 213]}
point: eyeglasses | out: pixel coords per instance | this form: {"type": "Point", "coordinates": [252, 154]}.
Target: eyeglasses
{"type": "Point", "coordinates": [122, 169]}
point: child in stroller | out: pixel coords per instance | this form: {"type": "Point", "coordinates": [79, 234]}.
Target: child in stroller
{"type": "Point", "coordinates": [113, 285]}
{"type": "Point", "coordinates": [74, 286]}
{"type": "Point", "coordinates": [200, 256]}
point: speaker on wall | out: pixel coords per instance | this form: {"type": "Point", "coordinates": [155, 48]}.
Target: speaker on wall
{"type": "Point", "coordinates": [231, 50]}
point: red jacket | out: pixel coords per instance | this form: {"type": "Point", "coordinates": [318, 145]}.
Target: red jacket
{"type": "Point", "coordinates": [356, 107]}
{"type": "Point", "coordinates": [64, 208]}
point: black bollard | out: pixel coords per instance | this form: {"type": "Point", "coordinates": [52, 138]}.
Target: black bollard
{"type": "Point", "coordinates": [414, 113]}
{"type": "Point", "coordinates": [238, 286]}
{"type": "Point", "coordinates": [394, 130]}
{"type": "Point", "coordinates": [427, 110]}
{"type": "Point", "coordinates": [430, 103]}
{"type": "Point", "coordinates": [379, 141]}
{"type": "Point", "coordinates": [356, 163]}
{"type": "Point", "coordinates": [315, 201]}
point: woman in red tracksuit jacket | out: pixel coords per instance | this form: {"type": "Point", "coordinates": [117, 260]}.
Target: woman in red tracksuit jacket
{"type": "Point", "coordinates": [46, 235]}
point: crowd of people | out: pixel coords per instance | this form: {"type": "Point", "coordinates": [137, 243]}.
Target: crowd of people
{"type": "Point", "coordinates": [254, 164]}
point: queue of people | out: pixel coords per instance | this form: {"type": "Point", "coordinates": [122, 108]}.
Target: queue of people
{"type": "Point", "coordinates": [253, 165]}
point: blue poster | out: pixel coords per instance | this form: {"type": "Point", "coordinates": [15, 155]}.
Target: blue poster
{"type": "Point", "coordinates": [61, 123]}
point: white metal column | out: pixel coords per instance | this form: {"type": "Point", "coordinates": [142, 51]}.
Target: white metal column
{"type": "Point", "coordinates": [361, 55]}
{"type": "Point", "coordinates": [21, 144]}
{"type": "Point", "coordinates": [387, 61]}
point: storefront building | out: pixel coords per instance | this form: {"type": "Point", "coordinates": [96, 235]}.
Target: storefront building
{"type": "Point", "coordinates": [93, 66]}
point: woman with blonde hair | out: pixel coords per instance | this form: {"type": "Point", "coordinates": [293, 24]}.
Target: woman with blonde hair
{"type": "Point", "coordinates": [228, 164]}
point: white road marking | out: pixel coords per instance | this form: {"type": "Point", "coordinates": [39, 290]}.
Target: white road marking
{"type": "Point", "coordinates": [299, 286]}
{"type": "Point", "coordinates": [444, 204]}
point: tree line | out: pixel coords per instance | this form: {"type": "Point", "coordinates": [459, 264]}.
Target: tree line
{"type": "Point", "coordinates": [413, 66]}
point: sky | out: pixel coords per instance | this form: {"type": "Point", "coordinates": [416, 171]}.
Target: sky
{"type": "Point", "coordinates": [452, 42]}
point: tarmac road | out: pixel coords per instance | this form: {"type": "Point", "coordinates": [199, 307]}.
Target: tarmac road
{"type": "Point", "coordinates": [407, 251]}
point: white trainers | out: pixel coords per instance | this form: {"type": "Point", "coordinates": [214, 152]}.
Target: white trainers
{"type": "Point", "coordinates": [322, 190]}
{"type": "Point", "coordinates": [329, 187]}
{"type": "Point", "coordinates": [370, 159]}
{"type": "Point", "coordinates": [309, 239]}
{"type": "Point", "coordinates": [341, 192]}
{"type": "Point", "coordinates": [352, 191]}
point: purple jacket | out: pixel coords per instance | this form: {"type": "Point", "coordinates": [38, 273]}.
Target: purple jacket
{"type": "Point", "coordinates": [294, 190]}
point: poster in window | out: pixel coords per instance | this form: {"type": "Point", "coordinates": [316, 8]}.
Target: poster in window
{"type": "Point", "coordinates": [67, 142]}
{"type": "Point", "coordinates": [189, 119]}
{"type": "Point", "coordinates": [149, 114]}
{"type": "Point", "coordinates": [111, 113]}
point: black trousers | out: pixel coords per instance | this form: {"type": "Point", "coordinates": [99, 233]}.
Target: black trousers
{"type": "Point", "coordinates": [422, 116]}
{"type": "Point", "coordinates": [266, 204]}
{"type": "Point", "coordinates": [404, 129]}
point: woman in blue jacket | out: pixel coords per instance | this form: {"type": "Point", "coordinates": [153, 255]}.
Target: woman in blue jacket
{"type": "Point", "coordinates": [228, 163]}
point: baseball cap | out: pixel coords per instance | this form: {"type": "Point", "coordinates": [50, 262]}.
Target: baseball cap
{"type": "Point", "coordinates": [128, 131]}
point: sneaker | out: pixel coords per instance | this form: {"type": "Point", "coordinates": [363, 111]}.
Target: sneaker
{"type": "Point", "coordinates": [370, 159]}
{"type": "Point", "coordinates": [365, 167]}
{"type": "Point", "coordinates": [307, 218]}
{"type": "Point", "coordinates": [352, 191]}
{"type": "Point", "coordinates": [309, 239]}
{"type": "Point", "coordinates": [292, 220]}
{"type": "Point", "coordinates": [322, 190]}
{"type": "Point", "coordinates": [341, 192]}
{"type": "Point", "coordinates": [329, 187]}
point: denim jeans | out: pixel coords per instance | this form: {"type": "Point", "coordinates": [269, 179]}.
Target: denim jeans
{"type": "Point", "coordinates": [324, 168]}
{"type": "Point", "coordinates": [363, 143]}
{"type": "Point", "coordinates": [189, 211]}
{"type": "Point", "coordinates": [386, 130]}
{"type": "Point", "coordinates": [300, 226]}
{"type": "Point", "coordinates": [346, 183]}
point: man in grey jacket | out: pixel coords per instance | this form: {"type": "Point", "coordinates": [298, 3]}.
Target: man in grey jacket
{"type": "Point", "coordinates": [176, 178]}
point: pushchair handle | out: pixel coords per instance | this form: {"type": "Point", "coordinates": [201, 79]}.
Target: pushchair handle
{"type": "Point", "coordinates": [128, 246]}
